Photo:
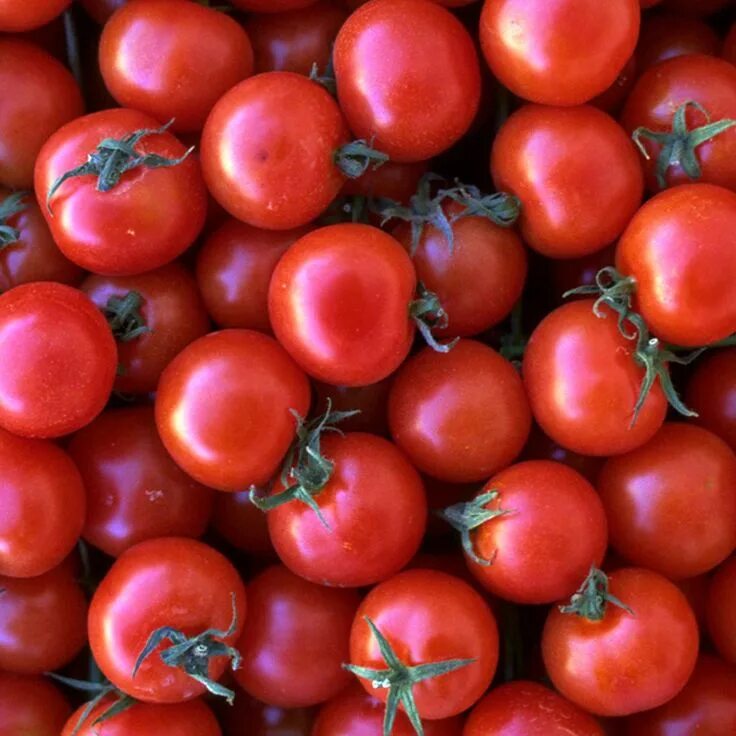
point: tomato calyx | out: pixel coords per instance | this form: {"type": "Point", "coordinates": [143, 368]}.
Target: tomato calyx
{"type": "Point", "coordinates": [355, 158]}
{"type": "Point", "coordinates": [353, 208]}
{"type": "Point", "coordinates": [193, 653]}
{"type": "Point", "coordinates": [124, 316]}
{"type": "Point", "coordinates": [427, 313]}
{"type": "Point", "coordinates": [592, 598]}
{"type": "Point", "coordinates": [12, 205]}
{"type": "Point", "coordinates": [467, 516]}
{"type": "Point", "coordinates": [113, 157]}
{"type": "Point", "coordinates": [399, 679]}
{"type": "Point", "coordinates": [678, 145]}
{"type": "Point", "coordinates": [325, 79]}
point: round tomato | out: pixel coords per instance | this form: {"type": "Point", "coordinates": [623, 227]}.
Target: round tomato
{"type": "Point", "coordinates": [241, 524]}
{"type": "Point", "coordinates": [171, 584]}
{"type": "Point", "coordinates": [612, 99]}
{"type": "Point", "coordinates": [31, 705]}
{"type": "Point", "coordinates": [16, 17]}
{"type": "Point", "coordinates": [721, 610]}
{"type": "Point", "coordinates": [667, 35]}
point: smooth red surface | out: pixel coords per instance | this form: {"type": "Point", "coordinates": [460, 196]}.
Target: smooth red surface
{"type": "Point", "coordinates": [24, 16]}
{"type": "Point", "coordinates": [667, 35]}
{"type": "Point", "coordinates": [31, 705]}
{"type": "Point", "coordinates": [722, 610]}
{"type": "Point", "coordinates": [241, 524]}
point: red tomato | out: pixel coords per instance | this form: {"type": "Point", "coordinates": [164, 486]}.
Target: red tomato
{"type": "Point", "coordinates": [667, 35]}
{"type": "Point", "coordinates": [43, 621]}
{"type": "Point", "coordinates": [31, 705]}
{"type": "Point", "coordinates": [23, 16]}
{"type": "Point", "coordinates": [58, 359]}
{"type": "Point", "coordinates": [135, 491]}
{"type": "Point", "coordinates": [570, 273]}
{"type": "Point", "coordinates": [541, 447]}
{"type": "Point", "coordinates": [173, 59]}
{"type": "Point", "coordinates": [148, 217]}
{"type": "Point", "coordinates": [241, 524]}
{"type": "Point", "coordinates": [408, 74]}
{"type": "Point", "coordinates": [648, 495]}
{"type": "Point", "coordinates": [525, 708]}
{"type": "Point", "coordinates": [460, 416]}
{"type": "Point", "coordinates": [681, 250]}
{"type": "Point", "coordinates": [370, 401]}
{"type": "Point", "coordinates": [223, 408]}
{"type": "Point", "coordinates": [39, 96]}
{"type": "Point", "coordinates": [729, 45]}
{"type": "Point", "coordinates": [339, 303]}
{"type": "Point", "coordinates": [612, 99]}
{"type": "Point", "coordinates": [271, 6]}
{"type": "Point", "coordinates": [249, 717]}
{"type": "Point", "coordinates": [572, 202]}
{"type": "Point", "coordinates": [696, 592]}
{"type": "Point", "coordinates": [583, 383]}
{"type": "Point", "coordinates": [166, 582]}
{"type": "Point", "coordinates": [535, 48]}
{"type": "Point", "coordinates": [624, 661]}
{"type": "Point", "coordinates": [722, 610]}
{"type": "Point", "coordinates": [165, 304]}
{"type": "Point", "coordinates": [428, 617]}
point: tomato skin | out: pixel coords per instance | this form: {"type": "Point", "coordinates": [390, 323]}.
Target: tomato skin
{"type": "Point", "coordinates": [392, 57]}
{"type": "Point", "coordinates": [533, 46]}
{"type": "Point", "coordinates": [525, 708]}
{"type": "Point", "coordinates": [339, 303]}
{"type": "Point", "coordinates": [31, 705]}
{"type": "Point", "coordinates": [150, 47]}
{"type": "Point", "coordinates": [721, 609]}
{"type": "Point", "coordinates": [612, 99]}
{"type": "Point", "coordinates": [218, 436]}
{"type": "Point", "coordinates": [241, 524]}
{"type": "Point", "coordinates": [541, 447]}
{"type": "Point", "coordinates": [120, 232]}
{"type": "Point", "coordinates": [729, 45]}
{"type": "Point", "coordinates": [370, 401]}
{"type": "Point", "coordinates": [648, 494]}
{"type": "Point", "coordinates": [667, 35]}
{"type": "Point", "coordinates": [583, 383]}
{"type": "Point", "coordinates": [43, 620]}
{"type": "Point", "coordinates": [257, 161]}
{"type": "Point", "coordinates": [373, 486]}
{"type": "Point", "coordinates": [249, 717]}
{"type": "Point", "coordinates": [573, 202]}
{"type": "Point", "coordinates": [58, 358]}
{"type": "Point", "coordinates": [691, 229]}
{"type": "Point", "coordinates": [460, 416]}
{"type": "Point", "coordinates": [429, 616]}
{"type": "Point", "coordinates": [397, 181]}
{"type": "Point", "coordinates": [624, 664]}
{"type": "Point", "coordinates": [16, 17]}
{"type": "Point", "coordinates": [169, 581]}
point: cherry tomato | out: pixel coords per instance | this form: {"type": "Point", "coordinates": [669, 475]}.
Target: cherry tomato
{"type": "Point", "coordinates": [31, 705]}
{"type": "Point", "coordinates": [370, 401]}
{"type": "Point", "coordinates": [628, 660]}
{"type": "Point", "coordinates": [534, 46]}
{"type": "Point", "coordinates": [166, 582]}
{"type": "Point", "coordinates": [241, 524]}
{"type": "Point", "coordinates": [173, 59]}
{"type": "Point", "coordinates": [541, 447]}
{"type": "Point", "coordinates": [23, 16]}
{"type": "Point", "coordinates": [249, 717]}
{"type": "Point", "coordinates": [696, 592]}
{"type": "Point", "coordinates": [667, 35]}
{"type": "Point", "coordinates": [148, 217]}
{"type": "Point", "coordinates": [573, 202]}
{"type": "Point", "coordinates": [58, 359]}
{"type": "Point", "coordinates": [722, 609]}
{"type": "Point", "coordinates": [460, 416]}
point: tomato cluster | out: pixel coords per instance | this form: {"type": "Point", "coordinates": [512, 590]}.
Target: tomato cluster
{"type": "Point", "coordinates": [368, 368]}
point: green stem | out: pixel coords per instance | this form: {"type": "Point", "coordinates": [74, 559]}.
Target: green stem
{"type": "Point", "coordinates": [592, 598]}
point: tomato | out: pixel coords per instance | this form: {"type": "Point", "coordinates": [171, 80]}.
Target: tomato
{"type": "Point", "coordinates": [339, 302]}
{"type": "Point", "coordinates": [622, 661]}
{"type": "Point", "coordinates": [173, 59]}
{"type": "Point", "coordinates": [249, 717]}
{"type": "Point", "coordinates": [234, 268]}
{"type": "Point", "coordinates": [707, 705]}
{"type": "Point", "coordinates": [58, 359]}
{"type": "Point", "coordinates": [294, 40]}
{"type": "Point", "coordinates": [370, 401]}
{"type": "Point", "coordinates": [271, 6]}
{"type": "Point", "coordinates": [135, 491]}
{"type": "Point", "coordinates": [154, 316]}
{"type": "Point", "coordinates": [510, 552]}
{"type": "Point", "coordinates": [460, 416]}
{"type": "Point", "coordinates": [681, 250]}
{"type": "Point", "coordinates": [428, 617]}
{"type": "Point", "coordinates": [101, 10]}
{"type": "Point", "coordinates": [612, 99]}
{"type": "Point", "coordinates": [235, 433]}
{"type": "Point", "coordinates": [39, 96]}
{"type": "Point", "coordinates": [417, 92]}
{"type": "Point", "coordinates": [534, 46]}
{"type": "Point", "coordinates": [257, 160]}
{"type": "Point", "coordinates": [583, 383]}
{"type": "Point", "coordinates": [729, 45]}
{"type": "Point", "coordinates": [241, 524]}
{"type": "Point", "coordinates": [168, 582]}
{"type": "Point", "coordinates": [721, 609]}
{"type": "Point", "coordinates": [541, 447]}
{"type": "Point", "coordinates": [696, 592]}
{"type": "Point", "coordinates": [573, 202]}
{"type": "Point", "coordinates": [31, 705]}
{"type": "Point", "coordinates": [573, 272]}
{"type": "Point", "coordinates": [666, 35]}
{"type": "Point", "coordinates": [43, 621]}
{"type": "Point", "coordinates": [652, 105]}
{"type": "Point", "coordinates": [149, 215]}
{"type": "Point", "coordinates": [648, 494]}
{"type": "Point", "coordinates": [525, 708]}
{"type": "Point", "coordinates": [16, 17]}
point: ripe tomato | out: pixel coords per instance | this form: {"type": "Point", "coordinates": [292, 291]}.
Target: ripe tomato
{"type": "Point", "coordinates": [696, 592]}
{"type": "Point", "coordinates": [393, 180]}
{"type": "Point", "coordinates": [572, 203]}
{"type": "Point", "coordinates": [524, 708]}
{"type": "Point", "coordinates": [416, 92]}
{"type": "Point", "coordinates": [648, 494]}
{"type": "Point", "coordinates": [583, 383]}
{"type": "Point", "coordinates": [339, 302]}
{"type": "Point", "coordinates": [223, 408]}
{"type": "Point", "coordinates": [58, 359]}
{"type": "Point", "coordinates": [173, 59]}
{"type": "Point", "coordinates": [43, 621]}
{"type": "Point", "coordinates": [534, 46]}
{"type": "Point", "coordinates": [16, 17]}
{"type": "Point", "coordinates": [570, 273]}
{"type": "Point", "coordinates": [667, 35]}
{"type": "Point", "coordinates": [370, 401]}
{"type": "Point", "coordinates": [148, 217]}
{"type": "Point", "coordinates": [31, 705]}
{"type": "Point", "coordinates": [722, 609]}
{"type": "Point", "coordinates": [241, 524]}
{"type": "Point", "coordinates": [623, 661]}
{"type": "Point", "coordinates": [681, 250]}
{"type": "Point", "coordinates": [168, 582]}
{"type": "Point", "coordinates": [165, 304]}
{"type": "Point", "coordinates": [612, 99]}
{"type": "Point", "coordinates": [460, 416]}
{"type": "Point", "coordinates": [249, 717]}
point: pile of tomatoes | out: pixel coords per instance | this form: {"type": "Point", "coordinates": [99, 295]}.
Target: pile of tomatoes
{"type": "Point", "coordinates": [368, 368]}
